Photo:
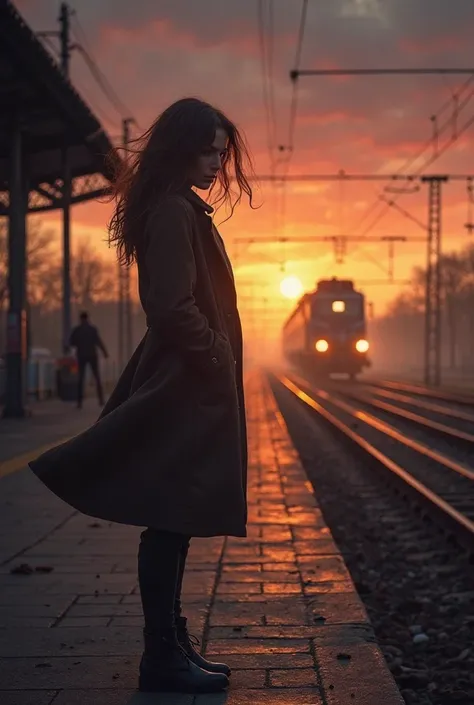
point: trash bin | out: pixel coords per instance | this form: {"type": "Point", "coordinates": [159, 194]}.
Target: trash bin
{"type": "Point", "coordinates": [67, 375]}
{"type": "Point", "coordinates": [41, 373]}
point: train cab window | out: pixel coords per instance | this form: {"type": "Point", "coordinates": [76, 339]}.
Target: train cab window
{"type": "Point", "coordinates": [351, 307]}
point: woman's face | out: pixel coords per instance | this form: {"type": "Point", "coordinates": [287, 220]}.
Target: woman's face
{"type": "Point", "coordinates": [209, 162]}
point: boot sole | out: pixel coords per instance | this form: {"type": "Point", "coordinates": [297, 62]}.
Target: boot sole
{"type": "Point", "coordinates": [149, 685]}
{"type": "Point", "coordinates": [225, 671]}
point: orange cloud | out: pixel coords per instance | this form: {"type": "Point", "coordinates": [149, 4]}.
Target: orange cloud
{"type": "Point", "coordinates": [168, 34]}
{"type": "Point", "coordinates": [154, 53]}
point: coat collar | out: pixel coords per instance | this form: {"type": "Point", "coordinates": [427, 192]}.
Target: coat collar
{"type": "Point", "coordinates": [197, 201]}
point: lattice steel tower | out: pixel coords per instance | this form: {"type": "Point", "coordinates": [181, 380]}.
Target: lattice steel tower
{"type": "Point", "coordinates": [433, 282]}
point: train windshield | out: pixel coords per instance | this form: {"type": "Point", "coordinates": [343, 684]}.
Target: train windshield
{"type": "Point", "coordinates": [338, 307]}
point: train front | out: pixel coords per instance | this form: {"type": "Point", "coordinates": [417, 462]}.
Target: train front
{"type": "Point", "coordinates": [337, 328]}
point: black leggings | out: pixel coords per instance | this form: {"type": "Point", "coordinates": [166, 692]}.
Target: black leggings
{"type": "Point", "coordinates": [93, 362]}
{"type": "Point", "coordinates": [161, 563]}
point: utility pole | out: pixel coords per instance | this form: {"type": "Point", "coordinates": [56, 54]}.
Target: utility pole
{"type": "Point", "coordinates": [64, 17]}
{"type": "Point", "coordinates": [433, 282]}
{"type": "Point", "coordinates": [16, 338]}
{"type": "Point", "coordinates": [392, 239]}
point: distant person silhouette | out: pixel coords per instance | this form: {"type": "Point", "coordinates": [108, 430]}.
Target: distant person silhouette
{"type": "Point", "coordinates": [86, 339]}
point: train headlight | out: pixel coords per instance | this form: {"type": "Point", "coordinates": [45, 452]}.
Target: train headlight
{"type": "Point", "coordinates": [362, 346]}
{"type": "Point", "coordinates": [321, 345]}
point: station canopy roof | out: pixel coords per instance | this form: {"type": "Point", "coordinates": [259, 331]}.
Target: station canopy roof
{"type": "Point", "coordinates": [52, 114]}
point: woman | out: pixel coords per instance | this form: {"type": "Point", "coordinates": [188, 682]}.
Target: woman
{"type": "Point", "coordinates": [169, 450]}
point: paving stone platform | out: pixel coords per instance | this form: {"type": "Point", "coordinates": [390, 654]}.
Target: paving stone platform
{"type": "Point", "coordinates": [279, 606]}
{"type": "Point", "coordinates": [49, 421]}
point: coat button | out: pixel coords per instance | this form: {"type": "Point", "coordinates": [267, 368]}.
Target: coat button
{"type": "Point", "coordinates": [215, 360]}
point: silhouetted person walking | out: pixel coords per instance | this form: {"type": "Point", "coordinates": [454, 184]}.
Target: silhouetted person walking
{"type": "Point", "coordinates": [169, 451]}
{"type": "Point", "coordinates": [86, 339]}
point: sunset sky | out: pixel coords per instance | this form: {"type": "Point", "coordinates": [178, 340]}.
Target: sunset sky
{"type": "Point", "coordinates": [155, 52]}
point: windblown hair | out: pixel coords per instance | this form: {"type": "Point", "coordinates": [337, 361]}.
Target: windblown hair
{"type": "Point", "coordinates": [159, 162]}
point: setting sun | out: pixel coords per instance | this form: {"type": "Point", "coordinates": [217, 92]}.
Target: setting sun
{"type": "Point", "coordinates": [291, 287]}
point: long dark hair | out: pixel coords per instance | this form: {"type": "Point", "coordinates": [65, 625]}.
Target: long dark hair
{"type": "Point", "coordinates": [159, 162]}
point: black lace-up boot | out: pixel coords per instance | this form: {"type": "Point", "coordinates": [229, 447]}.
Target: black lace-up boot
{"type": "Point", "coordinates": [188, 642]}
{"type": "Point", "coordinates": [165, 667]}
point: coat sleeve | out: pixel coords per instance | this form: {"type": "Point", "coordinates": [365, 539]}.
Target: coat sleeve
{"type": "Point", "coordinates": [170, 306]}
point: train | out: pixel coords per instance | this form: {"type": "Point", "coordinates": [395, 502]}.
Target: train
{"type": "Point", "coordinates": [326, 332]}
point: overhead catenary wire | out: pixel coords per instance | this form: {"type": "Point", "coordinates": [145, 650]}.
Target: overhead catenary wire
{"type": "Point", "coordinates": [390, 204]}
{"type": "Point", "coordinates": [289, 147]}
{"type": "Point", "coordinates": [412, 160]}
{"type": "Point", "coordinates": [266, 37]}
{"type": "Point", "coordinates": [427, 145]}
{"type": "Point", "coordinates": [98, 76]}
{"type": "Point", "coordinates": [266, 60]}
{"type": "Point", "coordinates": [270, 47]}
{"type": "Point", "coordinates": [100, 112]}
{"type": "Point", "coordinates": [433, 143]}
{"type": "Point", "coordinates": [82, 45]}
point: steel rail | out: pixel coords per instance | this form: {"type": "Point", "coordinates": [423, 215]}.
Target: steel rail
{"type": "Point", "coordinates": [447, 431]}
{"type": "Point", "coordinates": [456, 522]}
{"type": "Point", "coordinates": [420, 390]}
{"type": "Point", "coordinates": [420, 404]}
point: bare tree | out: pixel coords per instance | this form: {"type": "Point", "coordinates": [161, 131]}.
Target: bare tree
{"type": "Point", "coordinates": [41, 266]}
{"type": "Point", "coordinates": [43, 269]}
{"type": "Point", "coordinates": [401, 331]}
{"type": "Point", "coordinates": [93, 278]}
{"type": "Point", "coordinates": [413, 300]}
{"type": "Point", "coordinates": [93, 281]}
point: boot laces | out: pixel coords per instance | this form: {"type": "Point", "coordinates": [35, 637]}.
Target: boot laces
{"type": "Point", "coordinates": [190, 638]}
{"type": "Point", "coordinates": [194, 640]}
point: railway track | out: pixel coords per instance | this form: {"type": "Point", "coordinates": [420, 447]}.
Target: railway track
{"type": "Point", "coordinates": [443, 420]}
{"type": "Point", "coordinates": [420, 390]}
{"type": "Point", "coordinates": [437, 480]}
{"type": "Point", "coordinates": [415, 582]}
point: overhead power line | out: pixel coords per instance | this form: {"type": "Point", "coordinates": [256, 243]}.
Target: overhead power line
{"type": "Point", "coordinates": [266, 60]}
{"type": "Point", "coordinates": [102, 82]}
{"type": "Point", "coordinates": [411, 160]}
{"type": "Point", "coordinates": [82, 45]}
{"type": "Point", "coordinates": [432, 143]}
{"type": "Point", "coordinates": [288, 149]}
{"type": "Point", "coordinates": [390, 204]}
{"type": "Point", "coordinates": [294, 93]}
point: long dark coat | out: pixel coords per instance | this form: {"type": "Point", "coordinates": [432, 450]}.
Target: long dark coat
{"type": "Point", "coordinates": [169, 449]}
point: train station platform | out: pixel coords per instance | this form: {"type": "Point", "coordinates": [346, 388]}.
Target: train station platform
{"type": "Point", "coordinates": [279, 607]}
{"type": "Point", "coordinates": [48, 423]}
